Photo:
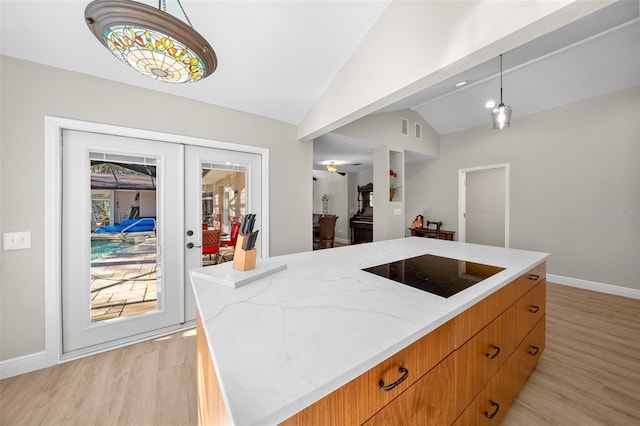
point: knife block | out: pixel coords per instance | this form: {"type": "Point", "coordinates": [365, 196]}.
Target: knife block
{"type": "Point", "coordinates": [244, 260]}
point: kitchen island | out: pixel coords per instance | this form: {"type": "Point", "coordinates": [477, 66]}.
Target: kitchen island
{"type": "Point", "coordinates": [321, 340]}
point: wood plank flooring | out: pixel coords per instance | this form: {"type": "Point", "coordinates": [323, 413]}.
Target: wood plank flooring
{"type": "Point", "coordinates": [588, 375]}
{"type": "Point", "coordinates": [150, 383]}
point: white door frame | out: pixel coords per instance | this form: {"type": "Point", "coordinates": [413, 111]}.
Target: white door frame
{"type": "Point", "coordinates": [54, 127]}
{"type": "Point", "coordinates": [462, 199]}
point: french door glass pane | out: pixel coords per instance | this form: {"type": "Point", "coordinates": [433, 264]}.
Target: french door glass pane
{"type": "Point", "coordinates": [124, 248]}
{"type": "Point", "coordinates": [224, 202]}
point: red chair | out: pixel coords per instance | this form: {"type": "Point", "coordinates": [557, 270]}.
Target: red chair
{"type": "Point", "coordinates": [233, 237]}
{"type": "Point", "coordinates": [231, 242]}
{"type": "Point", "coordinates": [211, 243]}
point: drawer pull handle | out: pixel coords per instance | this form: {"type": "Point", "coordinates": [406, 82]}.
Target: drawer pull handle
{"type": "Point", "coordinates": [405, 374]}
{"type": "Point", "coordinates": [534, 350]}
{"type": "Point", "coordinates": [533, 277]}
{"type": "Point", "coordinates": [534, 308]}
{"type": "Point", "coordinates": [496, 407]}
{"type": "Point", "coordinates": [495, 354]}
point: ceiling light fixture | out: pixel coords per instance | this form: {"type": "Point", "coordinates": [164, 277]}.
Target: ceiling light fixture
{"type": "Point", "coordinates": [462, 83]}
{"type": "Point", "coordinates": [501, 116]}
{"type": "Point", "coordinates": [151, 40]}
{"type": "Point", "coordinates": [332, 167]}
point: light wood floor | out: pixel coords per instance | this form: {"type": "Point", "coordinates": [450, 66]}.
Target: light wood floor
{"type": "Point", "coordinates": [588, 375]}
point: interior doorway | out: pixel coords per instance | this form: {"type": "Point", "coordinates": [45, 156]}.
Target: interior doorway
{"type": "Point", "coordinates": [483, 205]}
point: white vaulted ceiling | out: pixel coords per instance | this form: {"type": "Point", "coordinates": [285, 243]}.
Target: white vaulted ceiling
{"type": "Point", "coordinates": [277, 57]}
{"type": "Point", "coordinates": [274, 57]}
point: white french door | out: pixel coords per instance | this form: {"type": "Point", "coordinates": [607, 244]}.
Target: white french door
{"type": "Point", "coordinates": [130, 207]}
{"type": "Point", "coordinates": [221, 186]}
{"type": "Point", "coordinates": [136, 287]}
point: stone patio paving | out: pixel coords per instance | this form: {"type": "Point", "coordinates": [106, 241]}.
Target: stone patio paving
{"type": "Point", "coordinates": [124, 282]}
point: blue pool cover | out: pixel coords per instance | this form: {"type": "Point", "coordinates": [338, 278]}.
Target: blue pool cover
{"type": "Point", "coordinates": [141, 226]}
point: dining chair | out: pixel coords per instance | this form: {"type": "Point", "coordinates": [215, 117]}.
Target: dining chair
{"type": "Point", "coordinates": [211, 243]}
{"type": "Point", "coordinates": [327, 232]}
{"type": "Point", "coordinates": [229, 245]}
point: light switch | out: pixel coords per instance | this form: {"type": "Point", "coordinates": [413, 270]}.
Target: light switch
{"type": "Point", "coordinates": [397, 212]}
{"type": "Point", "coordinates": [17, 240]}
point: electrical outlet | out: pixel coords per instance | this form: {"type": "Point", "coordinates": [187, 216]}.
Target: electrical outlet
{"type": "Point", "coordinates": [397, 212]}
{"type": "Point", "coordinates": [17, 240]}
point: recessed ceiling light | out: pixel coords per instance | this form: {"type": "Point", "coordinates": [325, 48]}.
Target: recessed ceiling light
{"type": "Point", "coordinates": [490, 104]}
{"type": "Point", "coordinates": [462, 83]}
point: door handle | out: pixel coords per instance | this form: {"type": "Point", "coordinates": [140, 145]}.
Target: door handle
{"type": "Point", "coordinates": [189, 233]}
{"type": "Point", "coordinates": [190, 246]}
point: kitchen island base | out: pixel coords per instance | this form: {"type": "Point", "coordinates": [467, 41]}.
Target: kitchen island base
{"type": "Point", "coordinates": [467, 371]}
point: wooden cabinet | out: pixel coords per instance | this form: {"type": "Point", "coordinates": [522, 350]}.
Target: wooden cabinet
{"type": "Point", "coordinates": [211, 408]}
{"type": "Point", "coordinates": [361, 398]}
{"type": "Point", "coordinates": [466, 372]}
{"type": "Point", "coordinates": [426, 402]}
{"type": "Point", "coordinates": [492, 403]}
{"type": "Point", "coordinates": [486, 352]}
{"type": "Point", "coordinates": [440, 234]}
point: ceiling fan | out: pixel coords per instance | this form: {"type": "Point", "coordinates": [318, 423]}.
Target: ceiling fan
{"type": "Point", "coordinates": [333, 168]}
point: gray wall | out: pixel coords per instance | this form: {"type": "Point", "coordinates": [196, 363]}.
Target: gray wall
{"type": "Point", "coordinates": [384, 129]}
{"type": "Point", "coordinates": [31, 91]}
{"type": "Point", "coordinates": [575, 184]}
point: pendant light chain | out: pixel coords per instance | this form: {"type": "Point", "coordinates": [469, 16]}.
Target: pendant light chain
{"type": "Point", "coordinates": [185, 14]}
{"type": "Point", "coordinates": [162, 5]}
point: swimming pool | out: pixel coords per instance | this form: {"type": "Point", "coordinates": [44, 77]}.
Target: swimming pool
{"type": "Point", "coordinates": [102, 248]}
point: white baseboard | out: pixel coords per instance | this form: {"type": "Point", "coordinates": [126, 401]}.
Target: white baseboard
{"type": "Point", "coordinates": [595, 286]}
{"type": "Point", "coordinates": [38, 360]}
{"type": "Point", "coordinates": [341, 240]}
{"type": "Point", "coordinates": [23, 364]}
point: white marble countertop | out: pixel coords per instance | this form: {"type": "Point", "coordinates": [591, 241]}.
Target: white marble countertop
{"type": "Point", "coordinates": [284, 341]}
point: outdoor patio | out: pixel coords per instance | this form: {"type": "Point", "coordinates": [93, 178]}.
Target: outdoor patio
{"type": "Point", "coordinates": [124, 282]}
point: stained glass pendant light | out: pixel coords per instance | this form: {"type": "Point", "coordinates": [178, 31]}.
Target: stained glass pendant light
{"type": "Point", "coordinates": [501, 115]}
{"type": "Point", "coordinates": [151, 40]}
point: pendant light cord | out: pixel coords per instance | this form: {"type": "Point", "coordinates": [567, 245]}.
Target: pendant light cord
{"type": "Point", "coordinates": [501, 103]}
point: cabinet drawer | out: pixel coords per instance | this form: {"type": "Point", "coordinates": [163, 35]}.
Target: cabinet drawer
{"type": "Point", "coordinates": [527, 354]}
{"type": "Point", "coordinates": [529, 279]}
{"type": "Point", "coordinates": [479, 359]}
{"type": "Point", "coordinates": [361, 398]}
{"type": "Point", "coordinates": [474, 319]}
{"type": "Point", "coordinates": [493, 402]}
{"type": "Point", "coordinates": [530, 309]}
{"type": "Point", "coordinates": [426, 402]}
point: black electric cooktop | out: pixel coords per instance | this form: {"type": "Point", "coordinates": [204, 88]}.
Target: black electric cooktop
{"type": "Point", "coordinates": [441, 276]}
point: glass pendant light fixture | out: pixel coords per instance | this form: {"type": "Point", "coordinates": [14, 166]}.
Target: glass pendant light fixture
{"type": "Point", "coordinates": [151, 40]}
{"type": "Point", "coordinates": [332, 168]}
{"type": "Point", "coordinates": [501, 115]}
